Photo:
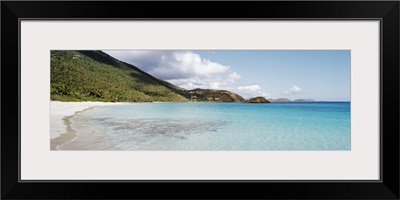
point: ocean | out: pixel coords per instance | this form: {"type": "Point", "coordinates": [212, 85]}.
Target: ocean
{"type": "Point", "coordinates": [199, 126]}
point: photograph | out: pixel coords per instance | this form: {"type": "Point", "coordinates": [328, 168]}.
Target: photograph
{"type": "Point", "coordinates": [111, 100]}
{"type": "Point", "coordinates": [200, 100]}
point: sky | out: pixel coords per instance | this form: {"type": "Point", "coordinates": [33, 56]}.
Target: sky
{"type": "Point", "coordinates": [322, 75]}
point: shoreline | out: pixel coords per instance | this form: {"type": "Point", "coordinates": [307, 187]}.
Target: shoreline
{"type": "Point", "coordinates": [61, 131]}
{"type": "Point", "coordinates": [61, 113]}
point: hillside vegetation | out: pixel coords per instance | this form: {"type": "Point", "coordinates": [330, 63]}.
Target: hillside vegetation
{"type": "Point", "coordinates": [213, 95]}
{"type": "Point", "coordinates": [96, 76]}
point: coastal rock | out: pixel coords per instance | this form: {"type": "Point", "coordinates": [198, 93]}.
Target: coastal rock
{"type": "Point", "coordinates": [257, 100]}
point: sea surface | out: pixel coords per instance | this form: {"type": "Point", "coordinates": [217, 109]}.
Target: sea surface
{"type": "Point", "coordinates": [213, 126]}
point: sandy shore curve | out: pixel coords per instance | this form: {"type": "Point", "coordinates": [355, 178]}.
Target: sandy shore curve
{"type": "Point", "coordinates": [60, 124]}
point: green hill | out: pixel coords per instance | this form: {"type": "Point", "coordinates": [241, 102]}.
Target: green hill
{"type": "Point", "coordinates": [96, 76]}
{"type": "Point", "coordinates": [213, 95]}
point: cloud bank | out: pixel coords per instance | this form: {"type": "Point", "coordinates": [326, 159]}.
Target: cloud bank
{"type": "Point", "coordinates": [293, 90]}
{"type": "Point", "coordinates": [187, 70]}
{"type": "Point", "coordinates": [252, 90]}
{"type": "Point", "coordinates": [172, 64]}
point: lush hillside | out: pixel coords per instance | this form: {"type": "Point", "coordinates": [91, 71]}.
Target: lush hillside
{"type": "Point", "coordinates": [96, 76]}
{"type": "Point", "coordinates": [213, 95]}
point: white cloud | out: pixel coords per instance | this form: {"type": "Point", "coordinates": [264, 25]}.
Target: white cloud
{"type": "Point", "coordinates": [251, 91]}
{"type": "Point", "coordinates": [172, 64]}
{"type": "Point", "coordinates": [251, 88]}
{"type": "Point", "coordinates": [209, 83]}
{"type": "Point", "coordinates": [188, 70]}
{"type": "Point", "coordinates": [294, 90]}
{"type": "Point", "coordinates": [234, 75]}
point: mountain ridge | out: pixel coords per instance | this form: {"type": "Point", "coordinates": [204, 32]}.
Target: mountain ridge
{"type": "Point", "coordinates": [96, 76]}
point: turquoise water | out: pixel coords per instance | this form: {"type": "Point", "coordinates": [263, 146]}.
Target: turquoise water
{"type": "Point", "coordinates": [213, 126]}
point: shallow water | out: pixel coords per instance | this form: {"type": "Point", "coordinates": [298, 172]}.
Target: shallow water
{"type": "Point", "coordinates": [213, 126]}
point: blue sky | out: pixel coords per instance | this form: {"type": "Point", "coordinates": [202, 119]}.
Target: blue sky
{"type": "Point", "coordinates": [318, 74]}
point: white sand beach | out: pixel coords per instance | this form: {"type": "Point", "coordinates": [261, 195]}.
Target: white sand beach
{"type": "Point", "coordinates": [59, 114]}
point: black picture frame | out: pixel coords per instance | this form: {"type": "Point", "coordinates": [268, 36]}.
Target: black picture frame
{"type": "Point", "coordinates": [385, 11]}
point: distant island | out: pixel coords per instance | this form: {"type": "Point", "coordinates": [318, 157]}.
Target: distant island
{"type": "Point", "coordinates": [96, 76]}
{"type": "Point", "coordinates": [304, 100]}
{"type": "Point", "coordinates": [279, 100]}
